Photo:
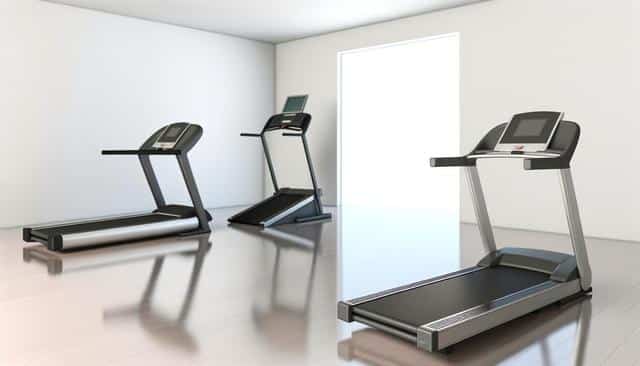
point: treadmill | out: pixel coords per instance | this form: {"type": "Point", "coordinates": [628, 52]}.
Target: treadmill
{"type": "Point", "coordinates": [507, 283]}
{"type": "Point", "coordinates": [176, 139]}
{"type": "Point", "coordinates": [286, 205]}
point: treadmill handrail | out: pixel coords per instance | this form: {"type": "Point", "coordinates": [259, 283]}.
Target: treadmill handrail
{"type": "Point", "coordinates": [563, 144]}
{"type": "Point", "coordinates": [143, 152]}
{"type": "Point", "coordinates": [561, 149]}
{"type": "Point", "coordinates": [530, 163]}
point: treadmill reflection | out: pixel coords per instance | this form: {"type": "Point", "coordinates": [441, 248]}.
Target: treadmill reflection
{"type": "Point", "coordinates": [372, 347]}
{"type": "Point", "coordinates": [165, 329]}
{"type": "Point", "coordinates": [281, 313]}
{"type": "Point", "coordinates": [64, 262]}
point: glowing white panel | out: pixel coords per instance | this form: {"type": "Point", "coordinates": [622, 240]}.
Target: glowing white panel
{"type": "Point", "coordinates": [399, 106]}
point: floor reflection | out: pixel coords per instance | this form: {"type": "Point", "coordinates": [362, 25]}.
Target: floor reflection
{"type": "Point", "coordinates": [280, 309]}
{"type": "Point", "coordinates": [174, 332]}
{"type": "Point", "coordinates": [64, 262]}
{"type": "Point", "coordinates": [415, 245]}
{"type": "Point", "coordinates": [269, 298]}
{"type": "Point", "coordinates": [553, 336]}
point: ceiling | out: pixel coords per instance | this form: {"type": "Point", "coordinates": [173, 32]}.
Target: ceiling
{"type": "Point", "coordinates": [272, 21]}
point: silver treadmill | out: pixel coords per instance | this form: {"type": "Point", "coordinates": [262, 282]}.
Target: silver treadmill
{"type": "Point", "coordinates": [176, 139]}
{"type": "Point", "coordinates": [507, 283]}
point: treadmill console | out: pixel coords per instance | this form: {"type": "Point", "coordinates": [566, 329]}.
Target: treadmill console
{"type": "Point", "coordinates": [529, 132]}
{"type": "Point", "coordinates": [295, 104]}
{"type": "Point", "coordinates": [292, 116]}
{"type": "Point", "coordinates": [171, 135]}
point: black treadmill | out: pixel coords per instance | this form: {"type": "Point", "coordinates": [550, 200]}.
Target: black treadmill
{"type": "Point", "coordinates": [176, 139]}
{"type": "Point", "coordinates": [286, 205]}
{"type": "Point", "coordinates": [507, 283]}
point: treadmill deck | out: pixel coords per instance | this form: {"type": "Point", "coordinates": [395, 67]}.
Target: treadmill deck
{"type": "Point", "coordinates": [280, 204]}
{"type": "Point", "coordinates": [431, 302]}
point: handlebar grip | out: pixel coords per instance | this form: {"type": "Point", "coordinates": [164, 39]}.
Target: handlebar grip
{"type": "Point", "coordinates": [142, 152]}
{"type": "Point", "coordinates": [544, 164]}
{"type": "Point", "coordinates": [452, 161]}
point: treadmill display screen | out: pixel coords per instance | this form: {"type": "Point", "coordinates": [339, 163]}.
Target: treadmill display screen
{"type": "Point", "coordinates": [171, 135]}
{"type": "Point", "coordinates": [295, 104]}
{"type": "Point", "coordinates": [530, 127]}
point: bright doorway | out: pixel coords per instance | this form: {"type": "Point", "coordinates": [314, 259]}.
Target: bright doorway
{"type": "Point", "coordinates": [398, 106]}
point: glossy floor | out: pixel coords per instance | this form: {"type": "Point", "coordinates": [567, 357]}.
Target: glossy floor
{"type": "Point", "coordinates": [253, 298]}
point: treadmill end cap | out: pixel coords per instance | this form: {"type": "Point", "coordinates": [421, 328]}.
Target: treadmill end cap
{"type": "Point", "coordinates": [344, 312]}
{"type": "Point", "coordinates": [427, 339]}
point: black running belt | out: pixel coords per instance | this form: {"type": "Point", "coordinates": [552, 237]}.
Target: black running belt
{"type": "Point", "coordinates": [428, 303]}
{"type": "Point", "coordinates": [269, 208]}
{"type": "Point", "coordinates": [102, 225]}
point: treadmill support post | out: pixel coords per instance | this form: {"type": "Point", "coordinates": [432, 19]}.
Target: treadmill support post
{"type": "Point", "coordinates": [575, 228]}
{"type": "Point", "coordinates": [192, 187]}
{"type": "Point", "coordinates": [267, 155]}
{"type": "Point", "coordinates": [480, 207]}
{"type": "Point", "coordinates": [312, 173]}
{"type": "Point", "coordinates": [152, 180]}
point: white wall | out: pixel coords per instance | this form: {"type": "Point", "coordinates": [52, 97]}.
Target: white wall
{"type": "Point", "coordinates": [76, 81]}
{"type": "Point", "coordinates": [516, 55]}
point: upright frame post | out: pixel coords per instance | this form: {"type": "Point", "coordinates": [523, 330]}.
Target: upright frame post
{"type": "Point", "coordinates": [152, 180]}
{"type": "Point", "coordinates": [267, 155]}
{"type": "Point", "coordinates": [575, 228]}
{"type": "Point", "coordinates": [312, 173]}
{"type": "Point", "coordinates": [192, 187]}
{"type": "Point", "coordinates": [480, 207]}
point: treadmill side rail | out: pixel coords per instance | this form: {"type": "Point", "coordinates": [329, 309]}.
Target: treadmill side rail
{"type": "Point", "coordinates": [281, 215]}
{"type": "Point", "coordinates": [120, 234]}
